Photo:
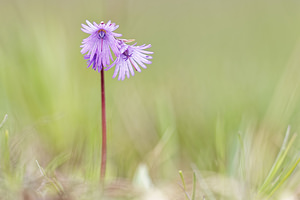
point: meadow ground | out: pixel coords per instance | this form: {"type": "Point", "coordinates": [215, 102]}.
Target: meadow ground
{"type": "Point", "coordinates": [221, 101]}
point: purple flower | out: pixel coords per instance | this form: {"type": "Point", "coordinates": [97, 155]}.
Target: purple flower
{"type": "Point", "coordinates": [131, 58]}
{"type": "Point", "coordinates": [92, 61]}
{"type": "Point", "coordinates": [99, 44]}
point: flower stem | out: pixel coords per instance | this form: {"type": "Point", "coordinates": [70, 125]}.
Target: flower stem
{"type": "Point", "coordinates": [103, 152]}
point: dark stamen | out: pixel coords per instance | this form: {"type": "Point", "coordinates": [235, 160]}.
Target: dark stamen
{"type": "Point", "coordinates": [102, 33]}
{"type": "Point", "coordinates": [127, 55]}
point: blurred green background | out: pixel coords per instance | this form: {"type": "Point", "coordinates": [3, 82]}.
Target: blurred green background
{"type": "Point", "coordinates": [220, 68]}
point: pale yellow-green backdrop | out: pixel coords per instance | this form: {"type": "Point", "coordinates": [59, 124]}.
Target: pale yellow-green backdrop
{"type": "Point", "coordinates": [220, 68]}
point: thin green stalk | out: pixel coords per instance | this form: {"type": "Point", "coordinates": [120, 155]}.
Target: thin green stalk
{"type": "Point", "coordinates": [6, 155]}
{"type": "Point", "coordinates": [184, 186]}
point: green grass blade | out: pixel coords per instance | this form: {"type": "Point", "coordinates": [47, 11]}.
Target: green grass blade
{"type": "Point", "coordinates": [52, 181]}
{"type": "Point", "coordinates": [278, 162]}
{"type": "Point", "coordinates": [184, 186]}
{"type": "Point", "coordinates": [6, 155]}
{"type": "Point", "coordinates": [57, 161]}
{"type": "Point", "coordinates": [288, 174]}
{"type": "Point", "coordinates": [194, 186]}
{"type": "Point", "coordinates": [3, 121]}
{"type": "Point", "coordinates": [242, 157]}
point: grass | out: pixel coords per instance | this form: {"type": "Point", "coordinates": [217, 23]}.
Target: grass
{"type": "Point", "coordinates": [216, 102]}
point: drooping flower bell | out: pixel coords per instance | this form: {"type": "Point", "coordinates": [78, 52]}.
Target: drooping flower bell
{"type": "Point", "coordinates": [130, 59]}
{"type": "Point", "coordinates": [100, 43]}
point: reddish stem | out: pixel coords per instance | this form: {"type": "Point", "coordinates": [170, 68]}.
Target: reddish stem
{"type": "Point", "coordinates": [103, 152]}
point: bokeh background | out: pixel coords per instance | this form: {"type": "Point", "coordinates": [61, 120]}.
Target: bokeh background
{"type": "Point", "coordinates": [221, 70]}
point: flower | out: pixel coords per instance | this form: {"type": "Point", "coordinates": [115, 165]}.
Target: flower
{"type": "Point", "coordinates": [92, 61]}
{"type": "Point", "coordinates": [99, 44]}
{"type": "Point", "coordinates": [131, 57]}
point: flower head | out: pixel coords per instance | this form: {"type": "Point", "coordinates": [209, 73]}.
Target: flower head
{"type": "Point", "coordinates": [100, 43]}
{"type": "Point", "coordinates": [130, 59]}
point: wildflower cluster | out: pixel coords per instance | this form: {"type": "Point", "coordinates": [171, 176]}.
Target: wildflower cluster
{"type": "Point", "coordinates": [102, 42]}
